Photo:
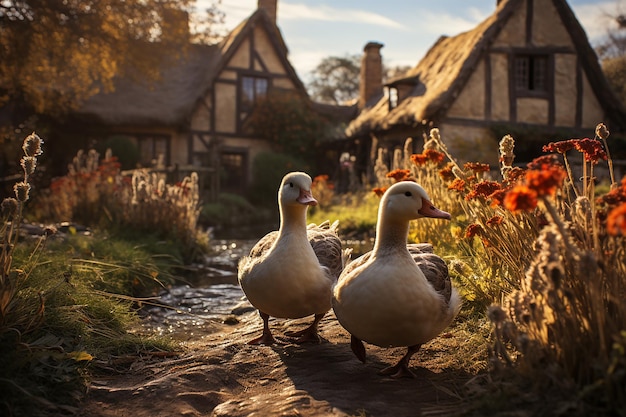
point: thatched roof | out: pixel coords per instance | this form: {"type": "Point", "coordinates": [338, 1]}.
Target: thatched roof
{"type": "Point", "coordinates": [171, 100]}
{"type": "Point", "coordinates": [445, 69]}
{"type": "Point", "coordinates": [166, 102]}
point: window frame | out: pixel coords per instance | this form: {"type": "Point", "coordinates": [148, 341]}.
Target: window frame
{"type": "Point", "coordinates": [538, 70]}
{"type": "Point", "coordinates": [249, 95]}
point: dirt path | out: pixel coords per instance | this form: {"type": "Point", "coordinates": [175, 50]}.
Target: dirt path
{"type": "Point", "coordinates": [220, 375]}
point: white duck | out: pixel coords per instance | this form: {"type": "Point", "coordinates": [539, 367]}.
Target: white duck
{"type": "Point", "coordinates": [396, 295]}
{"type": "Point", "coordinates": [290, 272]}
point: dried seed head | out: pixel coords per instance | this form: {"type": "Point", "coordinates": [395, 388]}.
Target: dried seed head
{"type": "Point", "coordinates": [507, 145]}
{"type": "Point", "coordinates": [431, 144]}
{"type": "Point", "coordinates": [496, 314]}
{"type": "Point", "coordinates": [9, 207]}
{"type": "Point", "coordinates": [458, 172]}
{"type": "Point", "coordinates": [458, 267]}
{"type": "Point", "coordinates": [601, 131]}
{"type": "Point", "coordinates": [434, 135]}
{"type": "Point", "coordinates": [29, 163]}
{"type": "Point", "coordinates": [32, 145]}
{"type": "Point", "coordinates": [21, 191]}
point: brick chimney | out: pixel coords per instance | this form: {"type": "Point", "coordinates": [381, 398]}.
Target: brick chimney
{"type": "Point", "coordinates": [270, 7]}
{"type": "Point", "coordinates": [371, 81]}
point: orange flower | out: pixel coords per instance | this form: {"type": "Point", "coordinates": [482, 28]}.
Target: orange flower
{"type": "Point", "coordinates": [433, 155]}
{"type": "Point", "coordinates": [457, 185]}
{"type": "Point", "coordinates": [560, 147]}
{"type": "Point", "coordinates": [379, 191]}
{"type": "Point", "coordinates": [616, 221]}
{"type": "Point", "coordinates": [520, 198]}
{"type": "Point", "coordinates": [419, 159]}
{"type": "Point", "coordinates": [494, 220]}
{"type": "Point", "coordinates": [477, 167]}
{"type": "Point", "coordinates": [591, 149]}
{"type": "Point", "coordinates": [546, 180]}
{"type": "Point", "coordinates": [483, 189]}
{"type": "Point", "coordinates": [400, 175]}
{"type": "Point", "coordinates": [473, 230]}
{"type": "Point", "coordinates": [539, 162]}
{"type": "Point", "coordinates": [497, 197]}
{"type": "Point", "coordinates": [446, 172]}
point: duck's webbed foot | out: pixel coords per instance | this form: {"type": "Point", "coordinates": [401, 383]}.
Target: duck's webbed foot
{"type": "Point", "coordinates": [266, 338]}
{"type": "Point", "coordinates": [308, 335]}
{"type": "Point", "coordinates": [401, 369]}
{"type": "Point", "coordinates": [358, 348]}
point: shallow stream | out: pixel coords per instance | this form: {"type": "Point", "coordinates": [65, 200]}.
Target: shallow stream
{"type": "Point", "coordinates": [186, 310]}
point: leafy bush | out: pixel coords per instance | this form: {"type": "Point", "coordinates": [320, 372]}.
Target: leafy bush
{"type": "Point", "coordinates": [95, 193]}
{"type": "Point", "coordinates": [268, 169]}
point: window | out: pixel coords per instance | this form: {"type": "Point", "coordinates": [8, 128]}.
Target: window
{"type": "Point", "coordinates": [153, 149]}
{"type": "Point", "coordinates": [531, 73]}
{"type": "Point", "coordinates": [252, 89]}
{"type": "Point", "coordinates": [233, 171]}
{"type": "Point", "coordinates": [393, 98]}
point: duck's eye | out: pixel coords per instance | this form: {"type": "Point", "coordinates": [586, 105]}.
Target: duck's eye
{"type": "Point", "coordinates": [408, 194]}
{"type": "Point", "coordinates": [291, 184]}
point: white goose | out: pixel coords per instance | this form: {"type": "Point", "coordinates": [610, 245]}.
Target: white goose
{"type": "Point", "coordinates": [290, 272]}
{"type": "Point", "coordinates": [396, 295]}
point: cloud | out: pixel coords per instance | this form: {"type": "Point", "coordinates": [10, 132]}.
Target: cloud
{"type": "Point", "coordinates": [597, 18]}
{"type": "Point", "coordinates": [299, 11]}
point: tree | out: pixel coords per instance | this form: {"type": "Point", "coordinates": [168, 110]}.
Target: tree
{"type": "Point", "coordinates": [612, 53]}
{"type": "Point", "coordinates": [615, 72]}
{"type": "Point", "coordinates": [56, 53]}
{"type": "Point", "coordinates": [336, 79]}
{"type": "Point", "coordinates": [288, 122]}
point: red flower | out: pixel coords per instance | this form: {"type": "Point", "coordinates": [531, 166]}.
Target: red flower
{"type": "Point", "coordinates": [494, 220]}
{"type": "Point", "coordinates": [616, 221]}
{"type": "Point", "coordinates": [379, 191]}
{"type": "Point", "coordinates": [591, 149]}
{"type": "Point", "coordinates": [433, 155]}
{"type": "Point", "coordinates": [538, 163]}
{"type": "Point", "coordinates": [520, 198]}
{"type": "Point", "coordinates": [560, 147]}
{"type": "Point", "coordinates": [473, 230]}
{"type": "Point", "coordinates": [400, 175]}
{"type": "Point", "coordinates": [419, 159]}
{"type": "Point", "coordinates": [483, 189]}
{"type": "Point", "coordinates": [547, 180]}
{"type": "Point", "coordinates": [446, 172]}
{"type": "Point", "coordinates": [457, 185]}
{"type": "Point", "coordinates": [497, 197]}
{"type": "Point", "coordinates": [476, 167]}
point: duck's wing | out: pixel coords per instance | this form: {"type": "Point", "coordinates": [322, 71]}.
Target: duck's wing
{"type": "Point", "coordinates": [263, 245]}
{"type": "Point", "coordinates": [434, 268]}
{"type": "Point", "coordinates": [327, 246]}
{"type": "Point", "coordinates": [354, 264]}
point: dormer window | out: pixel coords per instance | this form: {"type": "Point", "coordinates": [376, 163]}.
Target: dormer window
{"type": "Point", "coordinates": [253, 88]}
{"type": "Point", "coordinates": [393, 97]}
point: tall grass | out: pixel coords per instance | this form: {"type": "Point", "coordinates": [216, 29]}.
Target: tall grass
{"type": "Point", "coordinates": [541, 252]}
{"type": "Point", "coordinates": [66, 306]}
{"type": "Point", "coordinates": [96, 193]}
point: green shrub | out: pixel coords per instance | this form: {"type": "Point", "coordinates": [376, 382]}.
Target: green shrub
{"type": "Point", "coordinates": [268, 169]}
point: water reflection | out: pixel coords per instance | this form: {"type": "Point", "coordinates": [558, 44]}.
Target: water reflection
{"type": "Point", "coordinates": [212, 295]}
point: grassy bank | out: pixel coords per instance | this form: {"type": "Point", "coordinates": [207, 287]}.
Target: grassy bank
{"type": "Point", "coordinates": [68, 298]}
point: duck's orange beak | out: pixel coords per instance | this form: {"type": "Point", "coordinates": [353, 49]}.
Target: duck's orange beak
{"type": "Point", "coordinates": [429, 210]}
{"type": "Point", "coordinates": [306, 198]}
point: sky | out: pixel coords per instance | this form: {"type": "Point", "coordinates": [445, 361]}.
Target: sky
{"type": "Point", "coordinates": [316, 29]}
